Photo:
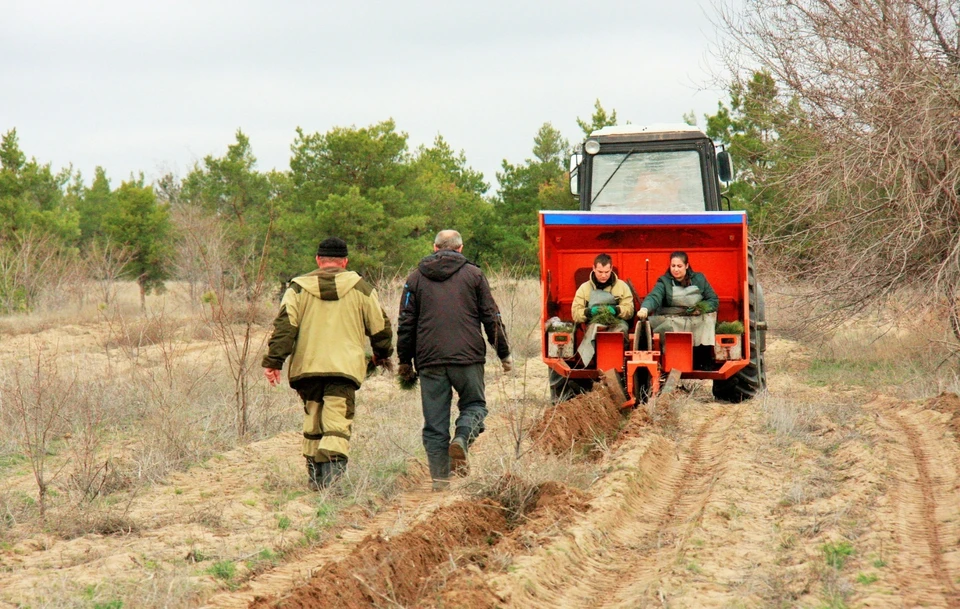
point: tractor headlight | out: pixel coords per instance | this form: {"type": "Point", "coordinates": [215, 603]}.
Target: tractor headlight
{"type": "Point", "coordinates": [591, 146]}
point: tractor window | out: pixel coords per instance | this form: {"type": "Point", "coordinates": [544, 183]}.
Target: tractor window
{"type": "Point", "coordinates": [648, 181]}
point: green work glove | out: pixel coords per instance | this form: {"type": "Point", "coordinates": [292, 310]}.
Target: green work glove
{"type": "Point", "coordinates": [598, 308]}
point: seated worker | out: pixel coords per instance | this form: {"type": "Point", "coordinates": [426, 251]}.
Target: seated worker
{"type": "Point", "coordinates": [684, 302]}
{"type": "Point", "coordinates": [602, 292]}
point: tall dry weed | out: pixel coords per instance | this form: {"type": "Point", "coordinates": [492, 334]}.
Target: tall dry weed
{"type": "Point", "coordinates": [519, 300]}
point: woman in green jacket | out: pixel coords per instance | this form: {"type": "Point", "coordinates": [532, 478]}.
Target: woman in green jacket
{"type": "Point", "coordinates": [682, 301]}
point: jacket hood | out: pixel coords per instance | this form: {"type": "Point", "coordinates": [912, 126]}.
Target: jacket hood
{"type": "Point", "coordinates": [441, 265]}
{"type": "Point", "coordinates": [328, 283]}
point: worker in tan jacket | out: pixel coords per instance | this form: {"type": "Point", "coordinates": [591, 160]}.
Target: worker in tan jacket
{"type": "Point", "coordinates": [325, 319]}
{"type": "Point", "coordinates": [603, 291]}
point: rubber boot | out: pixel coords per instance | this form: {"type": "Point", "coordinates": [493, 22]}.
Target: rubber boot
{"type": "Point", "coordinates": [313, 474]}
{"type": "Point", "coordinates": [439, 471]}
{"type": "Point", "coordinates": [458, 456]}
{"type": "Point", "coordinates": [331, 471]}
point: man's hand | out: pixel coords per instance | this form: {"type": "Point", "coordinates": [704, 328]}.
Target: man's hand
{"type": "Point", "coordinates": [507, 363]}
{"type": "Point", "coordinates": [386, 363]}
{"type": "Point", "coordinates": [642, 313]}
{"type": "Point", "coordinates": [273, 376]}
{"type": "Point", "coordinates": [406, 373]}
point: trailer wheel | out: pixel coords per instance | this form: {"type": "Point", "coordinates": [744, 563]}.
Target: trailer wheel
{"type": "Point", "coordinates": [752, 379]}
{"type": "Point", "coordinates": [563, 388]}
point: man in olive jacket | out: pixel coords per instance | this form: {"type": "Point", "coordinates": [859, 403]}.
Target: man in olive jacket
{"type": "Point", "coordinates": [602, 278]}
{"type": "Point", "coordinates": [324, 321]}
{"type": "Point", "coordinates": [445, 302]}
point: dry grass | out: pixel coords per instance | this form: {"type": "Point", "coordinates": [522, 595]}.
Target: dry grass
{"type": "Point", "coordinates": [179, 588]}
{"type": "Point", "coordinates": [519, 301]}
{"type": "Point", "coordinates": [140, 402]}
{"type": "Point", "coordinates": [902, 348]}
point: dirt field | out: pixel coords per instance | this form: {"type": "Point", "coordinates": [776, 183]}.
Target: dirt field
{"type": "Point", "coordinates": [830, 491]}
{"type": "Point", "coordinates": [826, 500]}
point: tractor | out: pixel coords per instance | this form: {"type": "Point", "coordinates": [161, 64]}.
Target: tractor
{"type": "Point", "coordinates": [646, 192]}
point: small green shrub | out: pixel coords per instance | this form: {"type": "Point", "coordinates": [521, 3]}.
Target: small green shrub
{"type": "Point", "coordinates": [223, 569]}
{"type": "Point", "coordinates": [836, 554]}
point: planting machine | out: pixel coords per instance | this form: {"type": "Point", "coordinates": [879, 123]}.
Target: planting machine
{"type": "Point", "coordinates": [644, 193]}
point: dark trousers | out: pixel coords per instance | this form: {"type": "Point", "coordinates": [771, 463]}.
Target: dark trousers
{"type": "Point", "coordinates": [436, 393]}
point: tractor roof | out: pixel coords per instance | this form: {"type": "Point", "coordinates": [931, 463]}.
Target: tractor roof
{"type": "Point", "coordinates": [660, 131]}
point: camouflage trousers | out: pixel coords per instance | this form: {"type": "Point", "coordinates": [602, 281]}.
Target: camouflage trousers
{"type": "Point", "coordinates": [328, 409]}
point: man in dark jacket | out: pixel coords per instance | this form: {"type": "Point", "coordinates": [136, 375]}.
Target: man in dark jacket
{"type": "Point", "coordinates": [445, 302]}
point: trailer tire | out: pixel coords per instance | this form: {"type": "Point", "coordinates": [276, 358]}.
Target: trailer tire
{"type": "Point", "coordinates": [752, 379]}
{"type": "Point", "coordinates": [563, 388]}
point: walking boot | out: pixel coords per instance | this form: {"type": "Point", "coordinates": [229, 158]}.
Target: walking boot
{"type": "Point", "coordinates": [458, 456]}
{"type": "Point", "coordinates": [330, 471]}
{"type": "Point", "coordinates": [439, 471]}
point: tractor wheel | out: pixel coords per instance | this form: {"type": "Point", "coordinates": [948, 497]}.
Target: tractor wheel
{"type": "Point", "coordinates": [752, 379]}
{"type": "Point", "coordinates": [563, 388]}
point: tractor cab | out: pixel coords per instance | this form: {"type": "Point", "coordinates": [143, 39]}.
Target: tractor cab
{"type": "Point", "coordinates": [646, 192]}
{"type": "Point", "coordinates": [661, 168]}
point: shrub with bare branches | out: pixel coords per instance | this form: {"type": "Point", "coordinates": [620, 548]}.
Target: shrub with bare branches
{"type": "Point", "coordinates": [35, 400]}
{"type": "Point", "coordinates": [105, 263]}
{"type": "Point", "coordinates": [235, 274]}
{"type": "Point", "coordinates": [31, 264]}
{"type": "Point", "coordinates": [871, 182]}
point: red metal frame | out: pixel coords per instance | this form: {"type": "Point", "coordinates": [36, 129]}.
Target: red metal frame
{"type": "Point", "coordinates": [641, 253]}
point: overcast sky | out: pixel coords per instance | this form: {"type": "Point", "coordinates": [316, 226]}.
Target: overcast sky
{"type": "Point", "coordinates": [156, 86]}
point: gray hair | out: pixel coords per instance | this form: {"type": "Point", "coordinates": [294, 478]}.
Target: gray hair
{"type": "Point", "coordinates": [448, 240]}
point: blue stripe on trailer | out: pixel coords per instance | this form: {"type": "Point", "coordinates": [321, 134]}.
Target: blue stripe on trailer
{"type": "Point", "coordinates": [603, 219]}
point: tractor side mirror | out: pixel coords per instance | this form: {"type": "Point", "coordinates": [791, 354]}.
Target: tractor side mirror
{"type": "Point", "coordinates": [724, 167]}
{"type": "Point", "coordinates": [575, 159]}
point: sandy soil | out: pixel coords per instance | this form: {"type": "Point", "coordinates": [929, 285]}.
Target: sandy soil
{"type": "Point", "coordinates": [806, 497]}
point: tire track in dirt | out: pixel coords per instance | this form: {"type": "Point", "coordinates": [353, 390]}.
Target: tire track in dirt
{"type": "Point", "coordinates": [722, 550]}
{"type": "Point", "coordinates": [603, 561]}
{"type": "Point", "coordinates": [924, 504]}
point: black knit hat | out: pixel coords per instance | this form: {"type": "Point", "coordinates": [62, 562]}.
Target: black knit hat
{"type": "Point", "coordinates": [332, 247]}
